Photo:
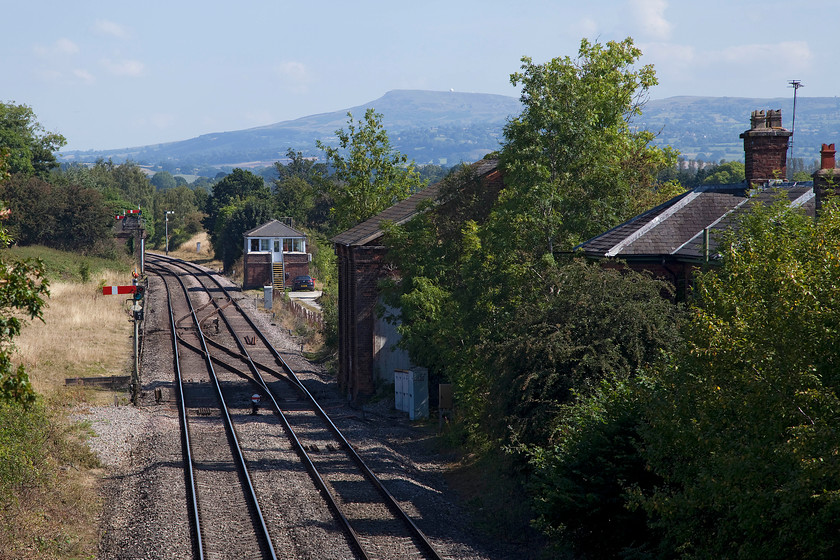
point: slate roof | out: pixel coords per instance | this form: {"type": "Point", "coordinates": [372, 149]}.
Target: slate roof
{"type": "Point", "coordinates": [273, 228]}
{"type": "Point", "coordinates": [675, 229]}
{"type": "Point", "coordinates": [370, 230]}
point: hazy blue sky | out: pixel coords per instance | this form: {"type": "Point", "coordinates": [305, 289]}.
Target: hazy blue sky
{"type": "Point", "coordinates": [112, 74]}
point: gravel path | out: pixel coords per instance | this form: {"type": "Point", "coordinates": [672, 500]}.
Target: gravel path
{"type": "Point", "coordinates": [145, 513]}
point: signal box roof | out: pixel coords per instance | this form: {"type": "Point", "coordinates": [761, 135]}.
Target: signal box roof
{"type": "Point", "coordinates": [274, 228]}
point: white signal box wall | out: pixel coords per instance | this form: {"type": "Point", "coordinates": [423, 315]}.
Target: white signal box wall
{"type": "Point", "coordinates": [411, 392]}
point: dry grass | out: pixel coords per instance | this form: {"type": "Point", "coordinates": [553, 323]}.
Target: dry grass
{"type": "Point", "coordinates": [84, 334]}
{"type": "Point", "coordinates": [307, 336]}
{"type": "Point", "coordinates": [188, 251]}
{"type": "Point", "coordinates": [55, 519]}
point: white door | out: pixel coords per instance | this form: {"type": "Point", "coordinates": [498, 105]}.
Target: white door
{"type": "Point", "coordinates": [276, 252]}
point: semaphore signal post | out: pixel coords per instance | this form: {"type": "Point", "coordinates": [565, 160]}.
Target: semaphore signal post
{"type": "Point", "coordinates": [137, 291]}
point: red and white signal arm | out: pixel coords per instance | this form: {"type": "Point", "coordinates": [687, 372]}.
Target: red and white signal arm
{"type": "Point", "coordinates": [255, 398]}
{"type": "Point", "coordinates": [120, 217]}
{"type": "Point", "coordinates": [114, 290]}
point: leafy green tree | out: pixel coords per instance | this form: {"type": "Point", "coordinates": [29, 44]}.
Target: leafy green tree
{"type": "Point", "coordinates": [23, 287]}
{"type": "Point", "coordinates": [368, 174]}
{"type": "Point", "coordinates": [573, 166]}
{"type": "Point", "coordinates": [306, 168]}
{"type": "Point", "coordinates": [32, 218]}
{"type": "Point", "coordinates": [133, 184]}
{"type": "Point", "coordinates": [82, 221]}
{"type": "Point", "coordinates": [123, 186]}
{"type": "Point", "coordinates": [531, 341]}
{"type": "Point", "coordinates": [727, 173]}
{"type": "Point", "coordinates": [205, 183]}
{"type": "Point", "coordinates": [743, 427]}
{"type": "Point", "coordinates": [573, 163]}
{"type": "Point", "coordinates": [239, 217]}
{"type": "Point", "coordinates": [581, 325]}
{"type": "Point", "coordinates": [163, 180]}
{"type": "Point", "coordinates": [430, 252]}
{"type": "Point", "coordinates": [237, 185]}
{"type": "Point", "coordinates": [430, 173]}
{"type": "Point", "coordinates": [295, 198]}
{"type": "Point", "coordinates": [64, 215]}
{"type": "Point", "coordinates": [29, 147]}
{"type": "Point", "coordinates": [585, 478]}
{"type": "Point", "coordinates": [299, 191]}
{"type": "Point", "coordinates": [228, 193]}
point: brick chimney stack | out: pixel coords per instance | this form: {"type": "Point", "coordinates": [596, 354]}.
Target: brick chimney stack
{"type": "Point", "coordinates": [765, 147]}
{"type": "Point", "coordinates": [827, 178]}
{"type": "Point", "coordinates": [827, 160]}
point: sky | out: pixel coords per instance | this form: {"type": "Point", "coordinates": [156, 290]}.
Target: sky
{"type": "Point", "coordinates": [109, 74]}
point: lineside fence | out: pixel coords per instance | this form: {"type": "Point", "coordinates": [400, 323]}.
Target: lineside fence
{"type": "Point", "coordinates": [312, 317]}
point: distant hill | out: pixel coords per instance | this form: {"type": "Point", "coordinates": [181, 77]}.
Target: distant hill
{"type": "Point", "coordinates": [428, 126]}
{"type": "Point", "coordinates": [450, 127]}
{"type": "Point", "coordinates": [708, 127]}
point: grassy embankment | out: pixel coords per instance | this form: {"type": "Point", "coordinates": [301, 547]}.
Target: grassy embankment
{"type": "Point", "coordinates": [48, 479]}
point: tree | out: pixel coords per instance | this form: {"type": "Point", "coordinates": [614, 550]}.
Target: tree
{"type": "Point", "coordinates": [296, 191]}
{"type": "Point", "coordinates": [123, 186]}
{"type": "Point", "coordinates": [368, 175]}
{"type": "Point", "coordinates": [23, 287]}
{"type": "Point", "coordinates": [572, 161]}
{"type": "Point", "coordinates": [163, 180]}
{"type": "Point", "coordinates": [743, 425]}
{"type": "Point", "coordinates": [429, 252]}
{"type": "Point", "coordinates": [726, 174]}
{"type": "Point", "coordinates": [239, 217]}
{"type": "Point", "coordinates": [64, 215]}
{"type": "Point", "coordinates": [586, 476]}
{"type": "Point", "coordinates": [294, 198]}
{"type": "Point", "coordinates": [573, 166]}
{"type": "Point", "coordinates": [228, 193]}
{"type": "Point", "coordinates": [30, 148]}
{"type": "Point", "coordinates": [83, 222]}
{"type": "Point", "coordinates": [32, 218]}
{"type": "Point", "coordinates": [530, 339]}
{"type": "Point", "coordinates": [582, 325]}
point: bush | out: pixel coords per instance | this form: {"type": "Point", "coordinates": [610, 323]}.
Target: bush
{"type": "Point", "coordinates": [585, 481]}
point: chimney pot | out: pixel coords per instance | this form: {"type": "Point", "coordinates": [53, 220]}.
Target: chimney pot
{"type": "Point", "coordinates": [827, 160]}
{"type": "Point", "coordinates": [774, 118]}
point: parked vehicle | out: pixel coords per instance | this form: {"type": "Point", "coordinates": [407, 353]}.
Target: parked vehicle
{"type": "Point", "coordinates": [302, 283]}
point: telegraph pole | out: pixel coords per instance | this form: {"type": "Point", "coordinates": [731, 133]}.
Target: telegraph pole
{"type": "Point", "coordinates": [795, 84]}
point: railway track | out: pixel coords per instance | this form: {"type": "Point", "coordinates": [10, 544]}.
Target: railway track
{"type": "Point", "coordinates": [227, 359]}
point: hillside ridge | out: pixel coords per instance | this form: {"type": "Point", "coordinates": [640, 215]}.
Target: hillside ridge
{"type": "Point", "coordinates": [446, 127]}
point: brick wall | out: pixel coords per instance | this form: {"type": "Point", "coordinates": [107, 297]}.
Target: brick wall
{"type": "Point", "coordinates": [295, 264]}
{"type": "Point", "coordinates": [257, 270]}
{"type": "Point", "coordinates": [359, 271]}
